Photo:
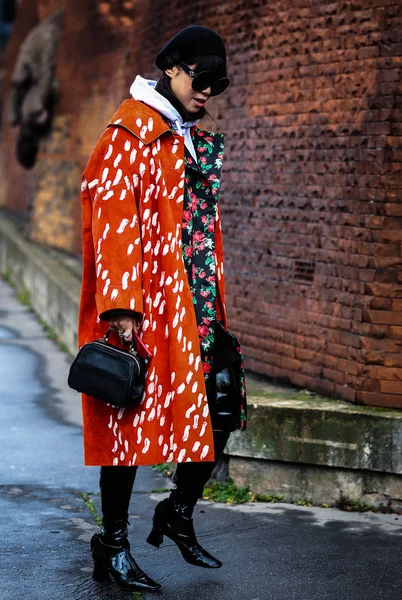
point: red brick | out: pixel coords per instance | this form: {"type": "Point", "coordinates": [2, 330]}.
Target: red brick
{"type": "Point", "coordinates": [384, 290]}
{"type": "Point", "coordinates": [372, 357]}
{"type": "Point", "coordinates": [382, 303]}
{"type": "Point", "coordinates": [333, 375]}
{"type": "Point", "coordinates": [345, 393]}
{"type": "Point", "coordinates": [391, 387]}
{"type": "Point", "coordinates": [383, 317]}
{"type": "Point", "coordinates": [384, 373]}
{"type": "Point", "coordinates": [381, 344]}
{"type": "Point", "coordinates": [377, 399]}
{"type": "Point", "coordinates": [397, 305]}
{"type": "Point", "coordinates": [348, 366]}
{"type": "Point", "coordinates": [393, 360]}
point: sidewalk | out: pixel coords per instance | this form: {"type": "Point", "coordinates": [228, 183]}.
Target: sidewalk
{"type": "Point", "coordinates": [278, 552]}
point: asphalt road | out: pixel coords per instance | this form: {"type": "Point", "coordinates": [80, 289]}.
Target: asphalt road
{"type": "Point", "coordinates": [278, 552]}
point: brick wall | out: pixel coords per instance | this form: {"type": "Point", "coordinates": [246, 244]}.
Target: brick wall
{"type": "Point", "coordinates": [312, 181]}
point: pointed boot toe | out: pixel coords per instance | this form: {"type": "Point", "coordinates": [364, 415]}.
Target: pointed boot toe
{"type": "Point", "coordinates": [197, 555]}
{"type": "Point", "coordinates": [118, 563]}
{"type": "Point", "coordinates": [172, 520]}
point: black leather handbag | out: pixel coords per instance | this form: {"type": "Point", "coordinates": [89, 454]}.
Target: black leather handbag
{"type": "Point", "coordinates": [223, 387]}
{"type": "Point", "coordinates": [113, 375]}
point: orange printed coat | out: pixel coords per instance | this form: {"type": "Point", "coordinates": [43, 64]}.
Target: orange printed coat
{"type": "Point", "coordinates": [132, 202]}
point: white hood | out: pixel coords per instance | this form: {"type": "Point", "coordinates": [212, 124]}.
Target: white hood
{"type": "Point", "coordinates": [144, 91]}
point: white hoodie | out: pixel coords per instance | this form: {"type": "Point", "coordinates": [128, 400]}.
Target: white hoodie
{"type": "Point", "coordinates": [144, 91]}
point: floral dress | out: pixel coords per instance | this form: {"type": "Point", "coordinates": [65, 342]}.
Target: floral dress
{"type": "Point", "coordinates": [200, 209]}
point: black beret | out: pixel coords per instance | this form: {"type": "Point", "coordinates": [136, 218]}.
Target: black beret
{"type": "Point", "coordinates": [190, 42]}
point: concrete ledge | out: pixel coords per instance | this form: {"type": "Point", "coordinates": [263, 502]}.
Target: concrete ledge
{"type": "Point", "coordinates": [53, 288]}
{"type": "Point", "coordinates": [317, 484]}
{"type": "Point", "coordinates": [322, 432]}
{"type": "Point", "coordinates": [320, 450]}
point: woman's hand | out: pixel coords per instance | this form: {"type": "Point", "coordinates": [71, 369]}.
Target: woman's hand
{"type": "Point", "coordinates": [125, 325]}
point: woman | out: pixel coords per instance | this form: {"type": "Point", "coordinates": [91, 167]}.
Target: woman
{"type": "Point", "coordinates": [152, 263]}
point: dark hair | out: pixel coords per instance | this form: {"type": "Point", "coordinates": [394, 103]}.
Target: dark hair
{"type": "Point", "coordinates": [214, 64]}
{"type": "Point", "coordinates": [209, 62]}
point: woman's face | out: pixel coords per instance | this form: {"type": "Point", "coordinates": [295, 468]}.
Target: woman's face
{"type": "Point", "coordinates": [180, 83]}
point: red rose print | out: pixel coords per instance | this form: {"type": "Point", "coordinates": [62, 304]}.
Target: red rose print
{"type": "Point", "coordinates": [189, 251]}
{"type": "Point", "coordinates": [206, 367]}
{"type": "Point", "coordinates": [201, 149]}
{"type": "Point", "coordinates": [203, 160]}
{"type": "Point", "coordinates": [186, 215]}
{"type": "Point", "coordinates": [204, 294]}
{"type": "Point", "coordinates": [203, 331]}
{"type": "Point", "coordinates": [198, 236]}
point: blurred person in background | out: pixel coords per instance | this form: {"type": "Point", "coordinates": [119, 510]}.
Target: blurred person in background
{"type": "Point", "coordinates": [153, 264]}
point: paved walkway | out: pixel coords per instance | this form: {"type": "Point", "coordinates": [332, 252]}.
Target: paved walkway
{"type": "Point", "coordinates": [278, 552]}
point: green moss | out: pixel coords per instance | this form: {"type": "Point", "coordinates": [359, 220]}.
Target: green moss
{"type": "Point", "coordinates": [50, 332]}
{"type": "Point", "coordinates": [227, 492]}
{"type": "Point", "coordinates": [377, 409]}
{"type": "Point", "coordinates": [302, 395]}
{"type": "Point", "coordinates": [165, 469]}
{"type": "Point", "coordinates": [6, 276]}
{"type": "Point", "coordinates": [64, 348]}
{"type": "Point", "coordinates": [304, 503]}
{"type": "Point", "coordinates": [353, 505]}
{"type": "Point", "coordinates": [268, 498]}
{"type": "Point", "coordinates": [24, 297]}
{"type": "Point", "coordinates": [52, 335]}
{"type": "Point", "coordinates": [86, 497]}
{"type": "Point", "coordinates": [159, 490]}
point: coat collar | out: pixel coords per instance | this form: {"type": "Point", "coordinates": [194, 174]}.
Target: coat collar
{"type": "Point", "coordinates": [141, 120]}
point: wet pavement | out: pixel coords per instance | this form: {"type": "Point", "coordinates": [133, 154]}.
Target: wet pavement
{"type": "Point", "coordinates": [278, 552]}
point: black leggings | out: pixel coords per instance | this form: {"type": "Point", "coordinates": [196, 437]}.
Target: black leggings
{"type": "Point", "coordinates": [116, 483]}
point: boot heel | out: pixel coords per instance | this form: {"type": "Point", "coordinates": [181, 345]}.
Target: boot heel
{"type": "Point", "coordinates": [100, 573]}
{"type": "Point", "coordinates": [155, 538]}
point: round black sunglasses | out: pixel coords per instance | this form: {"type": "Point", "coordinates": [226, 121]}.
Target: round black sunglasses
{"type": "Point", "coordinates": [205, 79]}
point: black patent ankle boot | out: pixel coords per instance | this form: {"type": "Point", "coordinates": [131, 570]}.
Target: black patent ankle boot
{"type": "Point", "coordinates": [112, 558]}
{"type": "Point", "coordinates": [173, 518]}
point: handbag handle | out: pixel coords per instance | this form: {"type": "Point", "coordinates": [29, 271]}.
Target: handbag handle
{"type": "Point", "coordinates": [133, 343]}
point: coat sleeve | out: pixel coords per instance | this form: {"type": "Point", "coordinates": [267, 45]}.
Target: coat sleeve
{"type": "Point", "coordinates": [115, 223]}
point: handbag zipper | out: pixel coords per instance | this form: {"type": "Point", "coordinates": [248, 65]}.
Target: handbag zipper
{"type": "Point", "coordinates": [115, 349]}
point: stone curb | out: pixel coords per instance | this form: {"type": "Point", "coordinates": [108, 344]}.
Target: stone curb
{"type": "Point", "coordinates": [322, 432]}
